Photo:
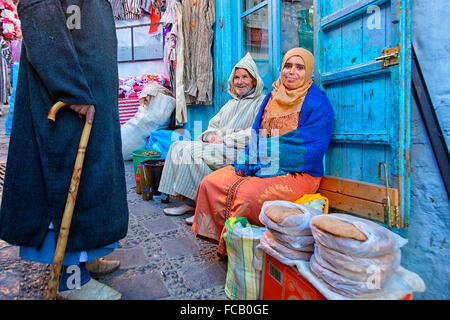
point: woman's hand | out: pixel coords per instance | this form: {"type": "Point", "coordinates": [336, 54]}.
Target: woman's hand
{"type": "Point", "coordinates": [82, 109]}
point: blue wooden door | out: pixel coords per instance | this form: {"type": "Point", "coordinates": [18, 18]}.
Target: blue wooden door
{"type": "Point", "coordinates": [242, 26]}
{"type": "Point", "coordinates": [370, 94]}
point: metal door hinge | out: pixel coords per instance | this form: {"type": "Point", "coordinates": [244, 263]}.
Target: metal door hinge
{"type": "Point", "coordinates": [390, 56]}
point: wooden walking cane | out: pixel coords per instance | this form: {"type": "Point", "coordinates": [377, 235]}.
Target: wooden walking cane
{"type": "Point", "coordinates": [55, 272]}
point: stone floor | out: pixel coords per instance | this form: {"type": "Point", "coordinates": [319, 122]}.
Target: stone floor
{"type": "Point", "coordinates": [160, 257]}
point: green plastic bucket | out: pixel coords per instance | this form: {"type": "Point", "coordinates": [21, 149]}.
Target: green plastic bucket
{"type": "Point", "coordinates": [138, 157]}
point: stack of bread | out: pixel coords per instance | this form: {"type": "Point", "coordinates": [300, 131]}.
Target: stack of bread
{"type": "Point", "coordinates": [353, 256]}
{"type": "Point", "coordinates": [288, 236]}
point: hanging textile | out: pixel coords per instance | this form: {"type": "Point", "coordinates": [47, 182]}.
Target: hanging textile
{"type": "Point", "coordinates": [169, 20]}
{"type": "Point", "coordinates": [155, 18]}
{"type": "Point", "coordinates": [117, 8]}
{"type": "Point", "coordinates": [172, 57]}
{"type": "Point", "coordinates": [5, 58]}
{"type": "Point", "coordinates": [169, 16]}
{"type": "Point", "coordinates": [198, 20]}
{"type": "Point", "coordinates": [146, 5]}
{"type": "Point", "coordinates": [181, 112]}
{"type": "Point", "coordinates": [159, 4]}
{"type": "Point", "coordinates": [132, 9]}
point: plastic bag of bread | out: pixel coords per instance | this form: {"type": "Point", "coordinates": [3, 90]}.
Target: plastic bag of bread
{"type": "Point", "coordinates": [283, 254]}
{"type": "Point", "coordinates": [293, 242]}
{"type": "Point", "coordinates": [354, 236]}
{"type": "Point", "coordinates": [282, 248]}
{"type": "Point", "coordinates": [342, 285]}
{"type": "Point", "coordinates": [379, 268]}
{"type": "Point", "coordinates": [287, 217]}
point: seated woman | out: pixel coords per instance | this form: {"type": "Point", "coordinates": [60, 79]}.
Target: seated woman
{"type": "Point", "coordinates": [284, 159]}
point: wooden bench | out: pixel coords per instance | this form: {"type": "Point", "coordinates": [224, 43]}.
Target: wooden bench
{"type": "Point", "coordinates": [363, 199]}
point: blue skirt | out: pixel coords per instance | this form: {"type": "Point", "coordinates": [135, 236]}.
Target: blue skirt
{"type": "Point", "coordinates": [46, 252]}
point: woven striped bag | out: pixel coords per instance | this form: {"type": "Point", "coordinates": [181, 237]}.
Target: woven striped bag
{"type": "Point", "coordinates": [241, 238]}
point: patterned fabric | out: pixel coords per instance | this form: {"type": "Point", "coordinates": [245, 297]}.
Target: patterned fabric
{"type": "Point", "coordinates": [223, 194]}
{"type": "Point", "coordinates": [170, 15]}
{"type": "Point", "coordinates": [15, 46]}
{"type": "Point", "coordinates": [187, 162]}
{"type": "Point", "coordinates": [272, 127]}
{"type": "Point", "coordinates": [118, 11]}
{"type": "Point", "coordinates": [243, 280]}
{"type": "Point", "coordinates": [300, 150]}
{"type": "Point", "coordinates": [127, 109]}
{"type": "Point", "coordinates": [146, 5]}
{"type": "Point", "coordinates": [132, 9]}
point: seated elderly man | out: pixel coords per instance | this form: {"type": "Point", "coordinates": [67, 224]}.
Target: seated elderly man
{"type": "Point", "coordinates": [228, 133]}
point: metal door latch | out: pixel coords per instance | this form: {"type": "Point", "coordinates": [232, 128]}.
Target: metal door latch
{"type": "Point", "coordinates": [391, 216]}
{"type": "Point", "coordinates": [390, 56]}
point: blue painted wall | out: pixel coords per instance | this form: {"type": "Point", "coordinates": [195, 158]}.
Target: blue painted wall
{"type": "Point", "coordinates": [427, 252]}
{"type": "Point", "coordinates": [198, 119]}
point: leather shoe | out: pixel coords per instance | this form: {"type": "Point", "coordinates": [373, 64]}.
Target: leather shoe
{"type": "Point", "coordinates": [178, 211]}
{"type": "Point", "coordinates": [102, 266]}
{"type": "Point", "coordinates": [92, 290]}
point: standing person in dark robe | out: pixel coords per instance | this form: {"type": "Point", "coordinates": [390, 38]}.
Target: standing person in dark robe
{"type": "Point", "coordinates": [69, 55]}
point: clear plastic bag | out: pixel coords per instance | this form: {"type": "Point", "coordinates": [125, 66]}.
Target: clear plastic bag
{"type": "Point", "coordinates": [295, 225]}
{"type": "Point", "coordinates": [342, 285]}
{"type": "Point", "coordinates": [282, 248]}
{"type": "Point", "coordinates": [380, 240]}
{"type": "Point", "coordinates": [283, 254]}
{"type": "Point", "coordinates": [293, 242]}
{"type": "Point", "coordinates": [378, 268]}
{"type": "Point", "coordinates": [357, 264]}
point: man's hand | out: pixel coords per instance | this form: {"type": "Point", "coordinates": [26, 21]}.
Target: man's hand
{"type": "Point", "coordinates": [82, 109]}
{"type": "Point", "coordinates": [214, 139]}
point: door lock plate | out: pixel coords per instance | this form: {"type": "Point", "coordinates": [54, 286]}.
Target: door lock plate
{"type": "Point", "coordinates": [390, 56]}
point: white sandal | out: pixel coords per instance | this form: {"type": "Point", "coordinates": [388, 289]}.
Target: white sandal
{"type": "Point", "coordinates": [178, 211]}
{"type": "Point", "coordinates": [189, 221]}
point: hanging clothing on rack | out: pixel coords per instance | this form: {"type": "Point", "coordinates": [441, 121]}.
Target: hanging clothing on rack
{"type": "Point", "coordinates": [181, 111]}
{"type": "Point", "coordinates": [159, 4]}
{"type": "Point", "coordinates": [198, 21]}
{"type": "Point", "coordinates": [132, 9]}
{"type": "Point", "coordinates": [5, 58]}
{"type": "Point", "coordinates": [172, 56]}
{"type": "Point", "coordinates": [146, 5]}
{"type": "Point", "coordinates": [117, 8]}
{"type": "Point", "coordinates": [169, 16]}
{"type": "Point", "coordinates": [155, 18]}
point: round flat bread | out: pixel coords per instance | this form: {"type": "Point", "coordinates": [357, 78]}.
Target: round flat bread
{"type": "Point", "coordinates": [278, 213]}
{"type": "Point", "coordinates": [356, 268]}
{"type": "Point", "coordinates": [338, 228]}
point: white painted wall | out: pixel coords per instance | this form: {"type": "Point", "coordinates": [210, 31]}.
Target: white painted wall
{"type": "Point", "coordinates": [132, 69]}
{"type": "Point", "coordinates": [129, 69]}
